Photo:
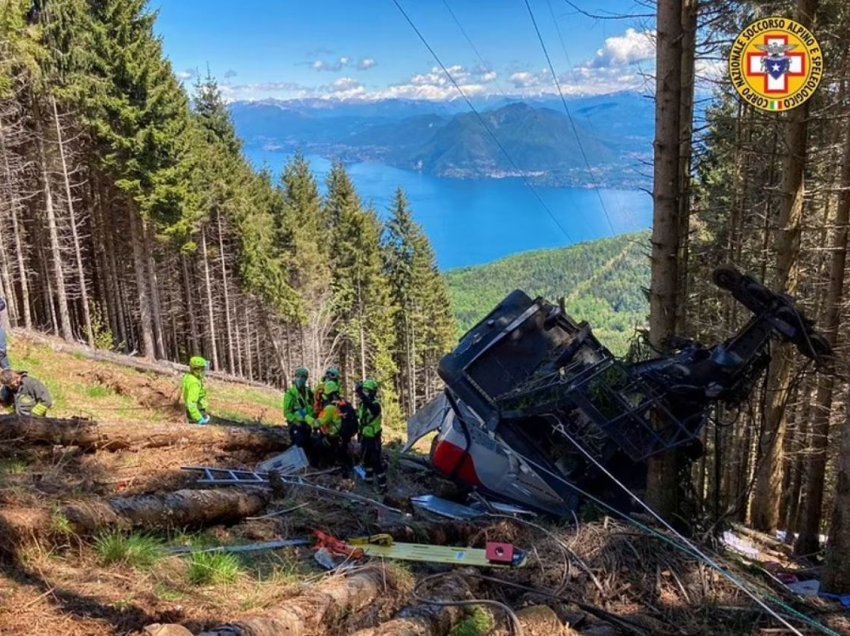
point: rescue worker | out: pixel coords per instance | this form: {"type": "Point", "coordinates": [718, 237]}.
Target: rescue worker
{"type": "Point", "coordinates": [331, 375]}
{"type": "Point", "coordinates": [369, 422]}
{"type": "Point", "coordinates": [298, 410]}
{"type": "Point", "coordinates": [26, 395]}
{"type": "Point", "coordinates": [194, 392]}
{"type": "Point", "coordinates": [331, 438]}
{"type": "Point", "coordinates": [5, 365]}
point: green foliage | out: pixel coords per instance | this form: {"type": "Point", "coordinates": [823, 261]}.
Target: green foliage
{"type": "Point", "coordinates": [213, 568]}
{"type": "Point", "coordinates": [98, 391]}
{"type": "Point", "coordinates": [61, 525]}
{"type": "Point", "coordinates": [602, 283]}
{"type": "Point", "coordinates": [134, 550]}
{"type": "Point", "coordinates": [479, 622]}
{"type": "Point", "coordinates": [101, 333]}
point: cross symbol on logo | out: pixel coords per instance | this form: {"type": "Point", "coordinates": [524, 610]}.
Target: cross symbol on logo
{"type": "Point", "coordinates": [761, 65]}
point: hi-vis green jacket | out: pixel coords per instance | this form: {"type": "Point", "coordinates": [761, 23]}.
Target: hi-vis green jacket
{"type": "Point", "coordinates": [194, 397]}
{"type": "Point", "coordinates": [369, 418]}
{"type": "Point", "coordinates": [298, 405]}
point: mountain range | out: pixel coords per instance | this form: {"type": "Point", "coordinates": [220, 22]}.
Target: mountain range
{"type": "Point", "coordinates": [535, 139]}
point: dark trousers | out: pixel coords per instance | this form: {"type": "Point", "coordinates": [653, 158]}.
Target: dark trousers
{"type": "Point", "coordinates": [332, 451]}
{"type": "Point", "coordinates": [373, 461]}
{"type": "Point", "coordinates": [300, 435]}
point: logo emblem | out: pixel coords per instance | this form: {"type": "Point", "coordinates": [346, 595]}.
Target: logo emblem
{"type": "Point", "coordinates": [775, 64]}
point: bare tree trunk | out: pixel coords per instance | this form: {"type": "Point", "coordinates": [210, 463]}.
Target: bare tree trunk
{"type": "Point", "coordinates": [179, 509]}
{"type": "Point", "coordinates": [808, 541]}
{"type": "Point", "coordinates": [14, 205]}
{"type": "Point", "coordinates": [55, 249]}
{"type": "Point", "coordinates": [786, 247]}
{"type": "Point", "coordinates": [664, 286]}
{"type": "Point", "coordinates": [227, 314]}
{"type": "Point", "coordinates": [136, 238]}
{"type": "Point", "coordinates": [836, 575]}
{"type": "Point", "coordinates": [210, 312]}
{"type": "Point", "coordinates": [192, 327]}
{"type": "Point", "coordinates": [156, 305]}
{"type": "Point", "coordinates": [84, 293]}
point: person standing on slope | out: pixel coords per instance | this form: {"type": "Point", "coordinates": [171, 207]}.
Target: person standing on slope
{"type": "Point", "coordinates": [5, 365]}
{"type": "Point", "coordinates": [369, 420]}
{"type": "Point", "coordinates": [298, 410]}
{"type": "Point", "coordinates": [194, 392]}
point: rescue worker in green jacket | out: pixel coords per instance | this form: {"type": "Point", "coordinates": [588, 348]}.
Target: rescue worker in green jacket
{"type": "Point", "coordinates": [298, 411]}
{"type": "Point", "coordinates": [194, 392]}
{"type": "Point", "coordinates": [369, 420]}
{"type": "Point", "coordinates": [331, 375]}
{"type": "Point", "coordinates": [331, 429]}
{"type": "Point", "coordinates": [26, 395]}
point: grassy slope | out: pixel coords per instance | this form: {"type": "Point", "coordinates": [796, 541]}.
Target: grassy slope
{"type": "Point", "coordinates": [602, 283]}
{"type": "Point", "coordinates": [100, 390]}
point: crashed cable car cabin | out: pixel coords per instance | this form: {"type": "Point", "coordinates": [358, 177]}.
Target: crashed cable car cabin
{"type": "Point", "coordinates": [531, 396]}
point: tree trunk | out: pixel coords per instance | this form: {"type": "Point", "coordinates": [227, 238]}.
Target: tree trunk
{"type": "Point", "coordinates": [72, 219]}
{"type": "Point", "coordinates": [136, 237]}
{"type": "Point", "coordinates": [55, 249]}
{"type": "Point", "coordinates": [228, 320]}
{"type": "Point", "coordinates": [686, 126]}
{"type": "Point", "coordinates": [14, 205]}
{"type": "Point", "coordinates": [427, 619]}
{"type": "Point", "coordinates": [808, 541]}
{"type": "Point", "coordinates": [664, 285]}
{"type": "Point", "coordinates": [836, 574]}
{"type": "Point", "coordinates": [210, 312]}
{"type": "Point", "coordinates": [156, 304]}
{"type": "Point", "coordinates": [114, 436]}
{"type": "Point", "coordinates": [320, 610]}
{"type": "Point", "coordinates": [179, 509]}
{"type": "Point", "coordinates": [786, 246]}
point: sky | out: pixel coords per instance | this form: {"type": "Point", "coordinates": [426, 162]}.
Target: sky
{"type": "Point", "coordinates": [366, 50]}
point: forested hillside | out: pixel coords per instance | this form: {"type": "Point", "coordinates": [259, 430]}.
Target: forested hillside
{"type": "Point", "coordinates": [602, 282]}
{"type": "Point", "coordinates": [130, 220]}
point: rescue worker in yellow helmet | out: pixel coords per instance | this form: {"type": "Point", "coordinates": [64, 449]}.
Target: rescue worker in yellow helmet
{"type": "Point", "coordinates": [298, 410]}
{"type": "Point", "coordinates": [369, 416]}
{"type": "Point", "coordinates": [26, 395]}
{"type": "Point", "coordinates": [194, 392]}
{"type": "Point", "coordinates": [331, 429]}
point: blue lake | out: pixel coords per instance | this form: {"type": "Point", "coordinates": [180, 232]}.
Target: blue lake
{"type": "Point", "coordinates": [477, 221]}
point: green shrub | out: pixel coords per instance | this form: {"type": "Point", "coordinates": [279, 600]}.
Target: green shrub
{"type": "Point", "coordinates": [135, 550]}
{"type": "Point", "coordinates": [479, 623]}
{"type": "Point", "coordinates": [213, 568]}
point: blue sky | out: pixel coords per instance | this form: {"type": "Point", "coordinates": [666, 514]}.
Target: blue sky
{"type": "Point", "coordinates": [364, 49]}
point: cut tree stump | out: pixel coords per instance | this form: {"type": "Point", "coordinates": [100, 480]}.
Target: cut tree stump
{"type": "Point", "coordinates": [182, 508]}
{"type": "Point", "coordinates": [425, 619]}
{"type": "Point", "coordinates": [120, 435]}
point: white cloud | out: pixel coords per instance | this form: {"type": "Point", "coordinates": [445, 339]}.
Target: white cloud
{"type": "Point", "coordinates": [345, 84]}
{"type": "Point", "coordinates": [524, 79]}
{"type": "Point", "coordinates": [333, 66]}
{"type": "Point", "coordinates": [366, 63]}
{"type": "Point", "coordinates": [488, 76]}
{"type": "Point", "coordinates": [631, 47]}
{"type": "Point", "coordinates": [184, 75]}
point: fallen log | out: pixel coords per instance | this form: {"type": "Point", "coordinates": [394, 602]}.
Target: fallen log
{"type": "Point", "coordinates": [182, 508]}
{"type": "Point", "coordinates": [427, 619]}
{"type": "Point", "coordinates": [90, 435]}
{"type": "Point", "coordinates": [319, 610]}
